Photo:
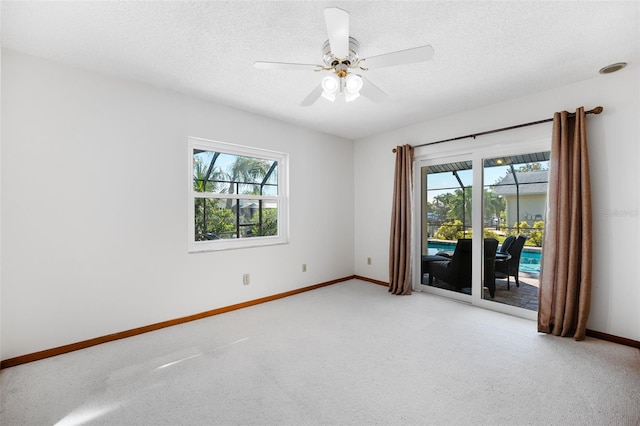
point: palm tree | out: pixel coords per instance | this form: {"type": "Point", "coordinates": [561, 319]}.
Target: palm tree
{"type": "Point", "coordinates": [493, 205]}
{"type": "Point", "coordinates": [199, 185]}
{"type": "Point", "coordinates": [248, 170]}
{"type": "Point", "coordinates": [460, 206]}
{"type": "Point", "coordinates": [245, 173]}
{"type": "Point", "coordinates": [441, 206]}
{"type": "Point", "coordinates": [199, 173]}
{"type": "Point", "coordinates": [206, 178]}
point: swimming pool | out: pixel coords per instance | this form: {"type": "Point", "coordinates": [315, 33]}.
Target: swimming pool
{"type": "Point", "coordinates": [529, 259]}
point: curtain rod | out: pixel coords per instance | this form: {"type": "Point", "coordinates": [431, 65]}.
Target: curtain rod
{"type": "Point", "coordinates": [596, 110]}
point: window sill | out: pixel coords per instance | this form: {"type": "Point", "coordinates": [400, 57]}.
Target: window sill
{"type": "Point", "coordinates": [233, 244]}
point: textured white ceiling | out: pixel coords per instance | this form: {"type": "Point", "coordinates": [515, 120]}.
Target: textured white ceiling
{"type": "Point", "coordinates": [485, 51]}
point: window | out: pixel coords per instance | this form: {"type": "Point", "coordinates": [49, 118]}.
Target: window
{"type": "Point", "coordinates": [238, 196]}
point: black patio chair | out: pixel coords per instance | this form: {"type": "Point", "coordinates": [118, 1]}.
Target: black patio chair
{"type": "Point", "coordinates": [511, 267]}
{"type": "Point", "coordinates": [457, 271]}
{"type": "Point", "coordinates": [506, 244]}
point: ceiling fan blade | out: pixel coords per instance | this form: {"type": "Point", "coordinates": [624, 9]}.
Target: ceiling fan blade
{"type": "Point", "coordinates": [313, 96]}
{"type": "Point", "coordinates": [338, 28]}
{"type": "Point", "coordinates": [285, 66]}
{"type": "Point", "coordinates": [409, 56]}
{"type": "Point", "coordinates": [373, 92]}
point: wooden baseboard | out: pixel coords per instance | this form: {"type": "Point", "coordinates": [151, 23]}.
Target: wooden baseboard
{"type": "Point", "coordinates": [615, 339]}
{"type": "Point", "coordinates": [23, 359]}
{"type": "Point", "coordinates": [371, 280]}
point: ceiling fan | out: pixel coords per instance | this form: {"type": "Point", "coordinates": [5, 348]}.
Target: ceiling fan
{"type": "Point", "coordinates": [342, 60]}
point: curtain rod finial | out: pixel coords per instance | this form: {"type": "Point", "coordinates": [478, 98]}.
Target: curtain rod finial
{"type": "Point", "coordinates": [597, 110]}
{"type": "Point", "coordinates": [394, 150]}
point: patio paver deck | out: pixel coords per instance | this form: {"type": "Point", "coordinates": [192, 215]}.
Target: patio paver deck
{"type": "Point", "coordinates": [525, 296]}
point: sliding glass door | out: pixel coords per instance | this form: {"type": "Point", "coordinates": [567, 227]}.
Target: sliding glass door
{"type": "Point", "coordinates": [515, 196]}
{"type": "Point", "coordinates": [446, 226]}
{"type": "Point", "coordinates": [480, 221]}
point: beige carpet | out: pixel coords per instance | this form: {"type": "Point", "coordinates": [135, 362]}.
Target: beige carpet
{"type": "Point", "coordinates": [350, 353]}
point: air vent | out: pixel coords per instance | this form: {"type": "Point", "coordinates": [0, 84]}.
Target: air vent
{"type": "Point", "coordinates": [613, 68]}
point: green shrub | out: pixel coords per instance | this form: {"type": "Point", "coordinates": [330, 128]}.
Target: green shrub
{"type": "Point", "coordinates": [537, 233]}
{"type": "Point", "coordinates": [488, 233]}
{"type": "Point", "coordinates": [269, 223]}
{"type": "Point", "coordinates": [450, 231]}
{"type": "Point", "coordinates": [524, 228]}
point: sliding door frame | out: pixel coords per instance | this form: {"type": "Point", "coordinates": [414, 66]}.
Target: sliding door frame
{"type": "Point", "coordinates": [480, 153]}
{"type": "Point", "coordinates": [417, 224]}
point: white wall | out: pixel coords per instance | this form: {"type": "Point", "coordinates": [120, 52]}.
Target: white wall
{"type": "Point", "coordinates": [94, 216]}
{"type": "Point", "coordinates": [614, 143]}
{"type": "Point", "coordinates": [94, 213]}
{"type": "Point", "coordinates": [531, 205]}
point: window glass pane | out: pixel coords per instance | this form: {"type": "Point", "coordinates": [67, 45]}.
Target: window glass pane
{"type": "Point", "coordinates": [221, 173]}
{"type": "Point", "coordinates": [447, 226]}
{"type": "Point", "coordinates": [521, 183]}
{"type": "Point", "coordinates": [234, 218]}
{"type": "Point", "coordinates": [515, 197]}
{"type": "Point", "coordinates": [448, 194]}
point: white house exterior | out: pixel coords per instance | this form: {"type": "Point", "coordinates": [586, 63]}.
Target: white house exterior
{"type": "Point", "coordinates": [532, 190]}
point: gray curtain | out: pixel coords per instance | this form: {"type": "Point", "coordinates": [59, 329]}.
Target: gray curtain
{"type": "Point", "coordinates": [565, 276]}
{"type": "Point", "coordinates": [400, 240]}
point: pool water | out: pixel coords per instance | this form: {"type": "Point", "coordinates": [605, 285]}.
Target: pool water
{"type": "Point", "coordinates": [529, 259]}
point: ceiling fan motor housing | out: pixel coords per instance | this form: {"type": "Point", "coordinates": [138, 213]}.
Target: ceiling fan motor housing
{"type": "Point", "coordinates": [330, 59]}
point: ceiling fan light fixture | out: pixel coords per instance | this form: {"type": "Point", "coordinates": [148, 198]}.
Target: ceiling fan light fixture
{"type": "Point", "coordinates": [354, 83]}
{"type": "Point", "coordinates": [329, 96]}
{"type": "Point", "coordinates": [351, 96]}
{"type": "Point", "coordinates": [330, 84]}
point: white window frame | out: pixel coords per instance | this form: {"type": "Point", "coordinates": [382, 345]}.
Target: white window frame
{"type": "Point", "coordinates": [282, 199]}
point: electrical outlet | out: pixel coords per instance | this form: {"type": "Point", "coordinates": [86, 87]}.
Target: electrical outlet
{"type": "Point", "coordinates": [304, 267]}
{"type": "Point", "coordinates": [368, 261]}
{"type": "Point", "coordinates": [245, 279]}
